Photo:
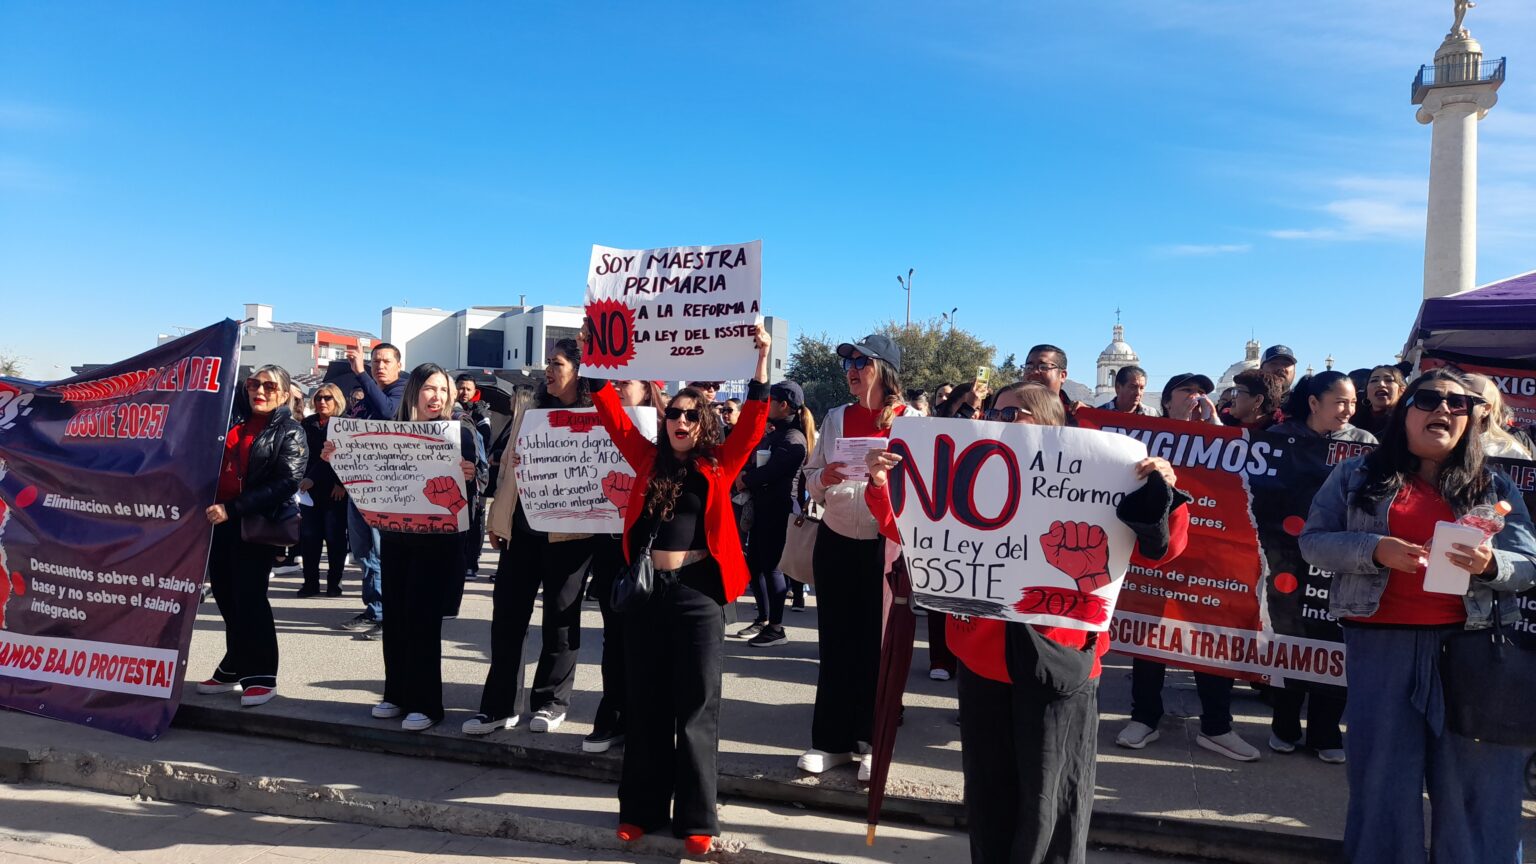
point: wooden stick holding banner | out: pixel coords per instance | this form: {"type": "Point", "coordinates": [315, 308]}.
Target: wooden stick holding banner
{"type": "Point", "coordinates": [402, 476]}
{"type": "Point", "coordinates": [571, 478]}
{"type": "Point", "coordinates": [1012, 521]}
{"type": "Point", "coordinates": [679, 313]}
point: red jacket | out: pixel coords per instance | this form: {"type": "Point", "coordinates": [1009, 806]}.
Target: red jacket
{"type": "Point", "coordinates": [730, 457]}
{"type": "Point", "coordinates": [978, 642]}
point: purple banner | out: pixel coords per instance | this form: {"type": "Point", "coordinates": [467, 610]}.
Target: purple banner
{"type": "Point", "coordinates": [104, 478]}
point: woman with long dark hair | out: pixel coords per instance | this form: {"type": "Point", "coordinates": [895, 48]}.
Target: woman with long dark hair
{"type": "Point", "coordinates": [684, 521]}
{"type": "Point", "coordinates": [1321, 406]}
{"type": "Point", "coordinates": [771, 483]}
{"type": "Point", "coordinates": [264, 458]}
{"type": "Point", "coordinates": [1383, 387]}
{"type": "Point", "coordinates": [1369, 525]}
{"type": "Point", "coordinates": [530, 560]}
{"type": "Point", "coordinates": [849, 561]}
{"type": "Point", "coordinates": [325, 517]}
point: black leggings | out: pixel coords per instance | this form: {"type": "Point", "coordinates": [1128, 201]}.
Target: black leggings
{"type": "Point", "coordinates": [238, 573]}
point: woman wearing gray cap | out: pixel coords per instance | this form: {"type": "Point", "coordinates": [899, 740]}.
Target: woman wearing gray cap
{"type": "Point", "coordinates": [849, 560]}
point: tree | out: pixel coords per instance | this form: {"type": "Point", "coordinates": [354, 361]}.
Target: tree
{"type": "Point", "coordinates": [815, 366]}
{"type": "Point", "coordinates": [11, 365]}
{"type": "Point", "coordinates": [1009, 372]}
{"type": "Point", "coordinates": [934, 353]}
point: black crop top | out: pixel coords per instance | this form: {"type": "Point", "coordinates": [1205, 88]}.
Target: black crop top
{"type": "Point", "coordinates": [684, 530]}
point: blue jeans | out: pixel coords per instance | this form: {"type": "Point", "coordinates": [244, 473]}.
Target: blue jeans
{"type": "Point", "coordinates": [1398, 745]}
{"type": "Point", "coordinates": [364, 543]}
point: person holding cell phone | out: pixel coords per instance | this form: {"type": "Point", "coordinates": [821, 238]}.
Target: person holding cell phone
{"type": "Point", "coordinates": [1369, 525]}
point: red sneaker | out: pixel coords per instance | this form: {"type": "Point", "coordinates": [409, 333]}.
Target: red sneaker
{"type": "Point", "coordinates": [214, 685]}
{"type": "Point", "coordinates": [630, 833]}
{"type": "Point", "coordinates": [697, 844]}
{"type": "Point", "coordinates": [257, 696]}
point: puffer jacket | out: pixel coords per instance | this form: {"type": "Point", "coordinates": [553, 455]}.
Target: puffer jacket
{"type": "Point", "coordinates": [1342, 538]}
{"type": "Point", "coordinates": [278, 458]}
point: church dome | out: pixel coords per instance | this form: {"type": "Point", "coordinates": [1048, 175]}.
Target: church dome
{"type": "Point", "coordinates": [1250, 361]}
{"type": "Point", "coordinates": [1112, 359]}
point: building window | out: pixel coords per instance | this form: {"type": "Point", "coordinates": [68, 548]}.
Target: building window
{"type": "Point", "coordinates": [527, 345]}
{"type": "Point", "coordinates": [484, 349]}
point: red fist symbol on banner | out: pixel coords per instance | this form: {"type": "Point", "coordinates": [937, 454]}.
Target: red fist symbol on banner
{"type": "Point", "coordinates": [1080, 550]}
{"type": "Point", "coordinates": [446, 493]}
{"type": "Point", "coordinates": [616, 487]}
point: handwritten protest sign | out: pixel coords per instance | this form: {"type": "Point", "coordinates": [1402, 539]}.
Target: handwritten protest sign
{"type": "Point", "coordinates": [402, 476]}
{"type": "Point", "coordinates": [684, 312]}
{"type": "Point", "coordinates": [570, 476]}
{"type": "Point", "coordinates": [1011, 521]}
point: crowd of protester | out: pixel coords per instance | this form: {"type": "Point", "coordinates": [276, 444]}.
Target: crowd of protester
{"type": "Point", "coordinates": [714, 493]}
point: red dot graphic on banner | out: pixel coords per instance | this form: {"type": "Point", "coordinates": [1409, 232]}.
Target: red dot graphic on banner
{"type": "Point", "coordinates": [1285, 583]}
{"type": "Point", "coordinates": [611, 342]}
{"type": "Point", "coordinates": [1293, 525]}
{"type": "Point", "coordinates": [25, 497]}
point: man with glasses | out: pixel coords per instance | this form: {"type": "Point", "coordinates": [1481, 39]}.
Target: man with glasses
{"type": "Point", "coordinates": [1130, 384]}
{"type": "Point", "coordinates": [382, 391]}
{"type": "Point", "coordinates": [1046, 364]}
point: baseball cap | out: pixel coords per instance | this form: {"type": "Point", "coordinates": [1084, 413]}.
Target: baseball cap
{"type": "Point", "coordinates": [874, 345]}
{"type": "Point", "coordinates": [1278, 352]}
{"type": "Point", "coordinates": [788, 391]}
{"type": "Point", "coordinates": [1184, 378]}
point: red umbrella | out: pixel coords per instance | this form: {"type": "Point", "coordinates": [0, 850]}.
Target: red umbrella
{"type": "Point", "coordinates": [898, 624]}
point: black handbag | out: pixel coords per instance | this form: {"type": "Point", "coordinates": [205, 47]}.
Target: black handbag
{"type": "Point", "coordinates": [1490, 686]}
{"type": "Point", "coordinates": [262, 530]}
{"type": "Point", "coordinates": [635, 586]}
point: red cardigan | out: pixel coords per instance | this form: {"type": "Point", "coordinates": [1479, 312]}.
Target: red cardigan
{"type": "Point", "coordinates": [730, 457]}
{"type": "Point", "coordinates": [979, 642]}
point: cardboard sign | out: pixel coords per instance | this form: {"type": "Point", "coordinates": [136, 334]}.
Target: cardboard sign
{"type": "Point", "coordinates": [402, 476]}
{"type": "Point", "coordinates": [684, 312]}
{"type": "Point", "coordinates": [1011, 521]}
{"type": "Point", "coordinates": [571, 478]}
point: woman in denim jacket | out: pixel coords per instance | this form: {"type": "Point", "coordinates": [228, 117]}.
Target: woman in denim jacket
{"type": "Point", "coordinates": [1370, 525]}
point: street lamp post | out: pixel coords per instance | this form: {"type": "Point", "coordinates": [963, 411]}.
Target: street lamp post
{"type": "Point", "coordinates": [906, 285]}
{"type": "Point", "coordinates": [950, 317]}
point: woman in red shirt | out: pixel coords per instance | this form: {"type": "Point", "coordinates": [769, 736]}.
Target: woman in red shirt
{"type": "Point", "coordinates": [681, 516]}
{"type": "Point", "coordinates": [1029, 713]}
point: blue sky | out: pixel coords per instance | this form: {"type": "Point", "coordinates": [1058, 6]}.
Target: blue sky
{"type": "Point", "coordinates": [1211, 168]}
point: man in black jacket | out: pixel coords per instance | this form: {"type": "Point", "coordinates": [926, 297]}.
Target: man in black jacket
{"type": "Point", "coordinates": [382, 390]}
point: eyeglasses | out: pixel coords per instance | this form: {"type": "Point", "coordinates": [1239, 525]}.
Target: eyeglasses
{"type": "Point", "coordinates": [1009, 414]}
{"type": "Point", "coordinates": [254, 384]}
{"type": "Point", "coordinates": [691, 414]}
{"type": "Point", "coordinates": [726, 409]}
{"type": "Point", "coordinates": [857, 363]}
{"type": "Point", "coordinates": [1431, 400]}
{"type": "Point", "coordinates": [1042, 367]}
{"type": "Point", "coordinates": [319, 399]}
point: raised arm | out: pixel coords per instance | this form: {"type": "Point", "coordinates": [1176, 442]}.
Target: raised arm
{"type": "Point", "coordinates": [635, 447]}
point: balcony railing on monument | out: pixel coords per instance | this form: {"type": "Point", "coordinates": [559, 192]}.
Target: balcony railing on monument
{"type": "Point", "coordinates": [1454, 73]}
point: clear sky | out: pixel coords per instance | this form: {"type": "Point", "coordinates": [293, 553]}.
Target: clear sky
{"type": "Point", "coordinates": [1211, 168]}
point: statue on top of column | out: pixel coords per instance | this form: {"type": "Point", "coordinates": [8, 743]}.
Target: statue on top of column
{"type": "Point", "coordinates": [1458, 31]}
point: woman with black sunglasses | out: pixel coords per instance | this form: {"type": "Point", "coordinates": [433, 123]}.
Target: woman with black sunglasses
{"type": "Point", "coordinates": [683, 520]}
{"type": "Point", "coordinates": [1370, 525]}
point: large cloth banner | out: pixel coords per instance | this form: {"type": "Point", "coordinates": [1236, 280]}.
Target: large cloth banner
{"type": "Point", "coordinates": [104, 480]}
{"type": "Point", "coordinates": [1004, 520]}
{"type": "Point", "coordinates": [1516, 385]}
{"type": "Point", "coordinates": [571, 478]}
{"type": "Point", "coordinates": [684, 312]}
{"type": "Point", "coordinates": [402, 476]}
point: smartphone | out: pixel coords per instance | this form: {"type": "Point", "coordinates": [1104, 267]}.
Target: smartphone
{"type": "Point", "coordinates": [983, 373]}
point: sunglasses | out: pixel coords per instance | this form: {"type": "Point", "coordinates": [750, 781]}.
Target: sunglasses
{"type": "Point", "coordinates": [1009, 414]}
{"type": "Point", "coordinates": [1457, 403]}
{"type": "Point", "coordinates": [857, 363]}
{"type": "Point", "coordinates": [690, 414]}
{"type": "Point", "coordinates": [319, 399]}
{"type": "Point", "coordinates": [252, 385]}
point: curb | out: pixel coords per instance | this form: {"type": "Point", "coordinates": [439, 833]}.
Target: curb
{"type": "Point", "coordinates": [1129, 831]}
{"type": "Point", "coordinates": [169, 781]}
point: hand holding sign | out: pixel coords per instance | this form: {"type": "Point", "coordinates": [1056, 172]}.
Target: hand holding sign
{"type": "Point", "coordinates": [446, 493]}
{"type": "Point", "coordinates": [1080, 550]}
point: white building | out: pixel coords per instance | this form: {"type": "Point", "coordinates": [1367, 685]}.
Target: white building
{"type": "Point", "coordinates": [1112, 359]}
{"type": "Point", "coordinates": [1250, 361]}
{"type": "Point", "coordinates": [305, 350]}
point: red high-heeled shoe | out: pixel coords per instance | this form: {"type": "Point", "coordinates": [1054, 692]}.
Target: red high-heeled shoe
{"type": "Point", "coordinates": [630, 833]}
{"type": "Point", "coordinates": [697, 844]}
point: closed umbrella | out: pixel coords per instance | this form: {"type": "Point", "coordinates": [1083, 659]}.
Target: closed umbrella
{"type": "Point", "coordinates": [898, 624]}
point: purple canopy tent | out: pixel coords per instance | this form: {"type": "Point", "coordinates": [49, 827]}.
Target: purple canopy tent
{"type": "Point", "coordinates": [1496, 321]}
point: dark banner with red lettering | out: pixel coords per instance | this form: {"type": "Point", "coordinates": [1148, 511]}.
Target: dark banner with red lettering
{"type": "Point", "coordinates": [1516, 383]}
{"type": "Point", "coordinates": [103, 542]}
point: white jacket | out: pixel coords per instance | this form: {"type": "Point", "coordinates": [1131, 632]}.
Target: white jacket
{"type": "Point", "coordinates": [844, 510]}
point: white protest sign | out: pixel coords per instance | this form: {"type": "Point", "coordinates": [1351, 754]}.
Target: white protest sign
{"type": "Point", "coordinates": [402, 476]}
{"type": "Point", "coordinates": [570, 477]}
{"type": "Point", "coordinates": [1014, 521]}
{"type": "Point", "coordinates": [684, 312]}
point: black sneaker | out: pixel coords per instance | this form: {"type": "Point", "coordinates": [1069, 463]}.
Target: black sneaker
{"type": "Point", "coordinates": [751, 630]}
{"type": "Point", "coordinates": [307, 592]}
{"type": "Point", "coordinates": [600, 740]}
{"type": "Point", "coordinates": [798, 604]}
{"type": "Point", "coordinates": [333, 592]}
{"type": "Point", "coordinates": [374, 632]}
{"type": "Point", "coordinates": [769, 637]}
{"type": "Point", "coordinates": [361, 621]}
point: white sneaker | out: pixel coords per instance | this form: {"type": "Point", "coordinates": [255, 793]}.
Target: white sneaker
{"type": "Point", "coordinates": [866, 767]}
{"type": "Point", "coordinates": [1332, 755]}
{"type": "Point", "coordinates": [481, 724]}
{"type": "Point", "coordinates": [1137, 735]}
{"type": "Point", "coordinates": [546, 721]}
{"type": "Point", "coordinates": [816, 761]}
{"type": "Point", "coordinates": [1230, 745]}
{"type": "Point", "coordinates": [415, 722]}
{"type": "Point", "coordinates": [1280, 745]}
{"type": "Point", "coordinates": [938, 674]}
{"type": "Point", "coordinates": [386, 711]}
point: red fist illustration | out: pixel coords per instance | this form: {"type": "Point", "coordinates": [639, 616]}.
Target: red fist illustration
{"type": "Point", "coordinates": [1080, 550]}
{"type": "Point", "coordinates": [446, 493]}
{"type": "Point", "coordinates": [617, 486]}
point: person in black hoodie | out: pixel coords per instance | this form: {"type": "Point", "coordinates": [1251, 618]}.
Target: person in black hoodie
{"type": "Point", "coordinates": [264, 458]}
{"type": "Point", "coordinates": [779, 458]}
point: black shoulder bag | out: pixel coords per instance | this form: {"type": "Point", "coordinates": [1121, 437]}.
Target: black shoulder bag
{"type": "Point", "coordinates": [635, 586]}
{"type": "Point", "coordinates": [1490, 685]}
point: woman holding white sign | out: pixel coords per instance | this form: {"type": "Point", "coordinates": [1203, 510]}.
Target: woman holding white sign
{"type": "Point", "coordinates": [849, 553]}
{"type": "Point", "coordinates": [685, 524]}
{"type": "Point", "coordinates": [1029, 712]}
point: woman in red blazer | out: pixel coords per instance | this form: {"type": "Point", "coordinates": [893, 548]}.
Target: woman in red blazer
{"type": "Point", "coordinates": [681, 509]}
